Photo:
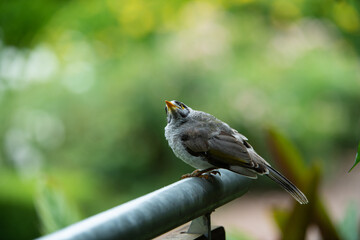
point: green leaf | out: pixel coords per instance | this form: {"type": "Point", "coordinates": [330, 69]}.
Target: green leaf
{"type": "Point", "coordinates": [281, 216]}
{"type": "Point", "coordinates": [288, 158]}
{"type": "Point", "coordinates": [357, 158]}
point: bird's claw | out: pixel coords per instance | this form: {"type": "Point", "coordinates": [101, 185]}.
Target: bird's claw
{"type": "Point", "coordinates": [201, 174]}
{"type": "Point", "coordinates": [196, 173]}
{"type": "Point", "coordinates": [215, 172]}
{"type": "Point", "coordinates": [186, 176]}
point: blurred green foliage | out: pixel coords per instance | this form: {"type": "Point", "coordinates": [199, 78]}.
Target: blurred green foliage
{"type": "Point", "coordinates": [16, 207]}
{"type": "Point", "coordinates": [294, 223]}
{"type": "Point", "coordinates": [55, 212]}
{"type": "Point", "coordinates": [83, 84]}
{"type": "Point", "coordinates": [235, 235]}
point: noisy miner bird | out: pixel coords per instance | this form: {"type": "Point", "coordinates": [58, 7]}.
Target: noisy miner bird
{"type": "Point", "coordinates": [206, 143]}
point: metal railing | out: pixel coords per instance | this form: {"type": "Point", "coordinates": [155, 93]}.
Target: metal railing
{"type": "Point", "coordinates": [160, 211]}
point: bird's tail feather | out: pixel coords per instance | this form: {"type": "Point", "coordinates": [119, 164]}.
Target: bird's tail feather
{"type": "Point", "coordinates": [287, 185]}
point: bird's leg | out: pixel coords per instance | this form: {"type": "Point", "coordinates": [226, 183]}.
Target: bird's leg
{"type": "Point", "coordinates": [199, 173]}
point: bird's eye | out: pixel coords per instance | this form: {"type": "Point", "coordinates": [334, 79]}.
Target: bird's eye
{"type": "Point", "coordinates": [180, 105]}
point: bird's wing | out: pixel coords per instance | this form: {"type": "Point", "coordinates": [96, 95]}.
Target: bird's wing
{"type": "Point", "coordinates": [195, 141]}
{"type": "Point", "coordinates": [224, 150]}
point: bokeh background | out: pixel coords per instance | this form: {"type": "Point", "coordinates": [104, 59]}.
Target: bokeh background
{"type": "Point", "coordinates": [83, 84]}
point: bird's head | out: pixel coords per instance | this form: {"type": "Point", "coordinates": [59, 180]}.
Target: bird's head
{"type": "Point", "coordinates": [176, 111]}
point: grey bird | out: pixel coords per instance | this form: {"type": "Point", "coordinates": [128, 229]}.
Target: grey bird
{"type": "Point", "coordinates": [206, 143]}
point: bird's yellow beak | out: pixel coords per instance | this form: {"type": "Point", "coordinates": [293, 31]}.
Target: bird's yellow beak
{"type": "Point", "coordinates": [170, 106]}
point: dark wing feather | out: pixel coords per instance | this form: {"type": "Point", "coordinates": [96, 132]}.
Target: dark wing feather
{"type": "Point", "coordinates": [195, 141]}
{"type": "Point", "coordinates": [225, 151]}
{"type": "Point", "coordinates": [234, 152]}
{"type": "Point", "coordinates": [222, 150]}
{"type": "Point", "coordinates": [228, 147]}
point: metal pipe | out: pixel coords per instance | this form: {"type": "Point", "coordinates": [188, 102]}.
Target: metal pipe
{"type": "Point", "coordinates": [160, 211]}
